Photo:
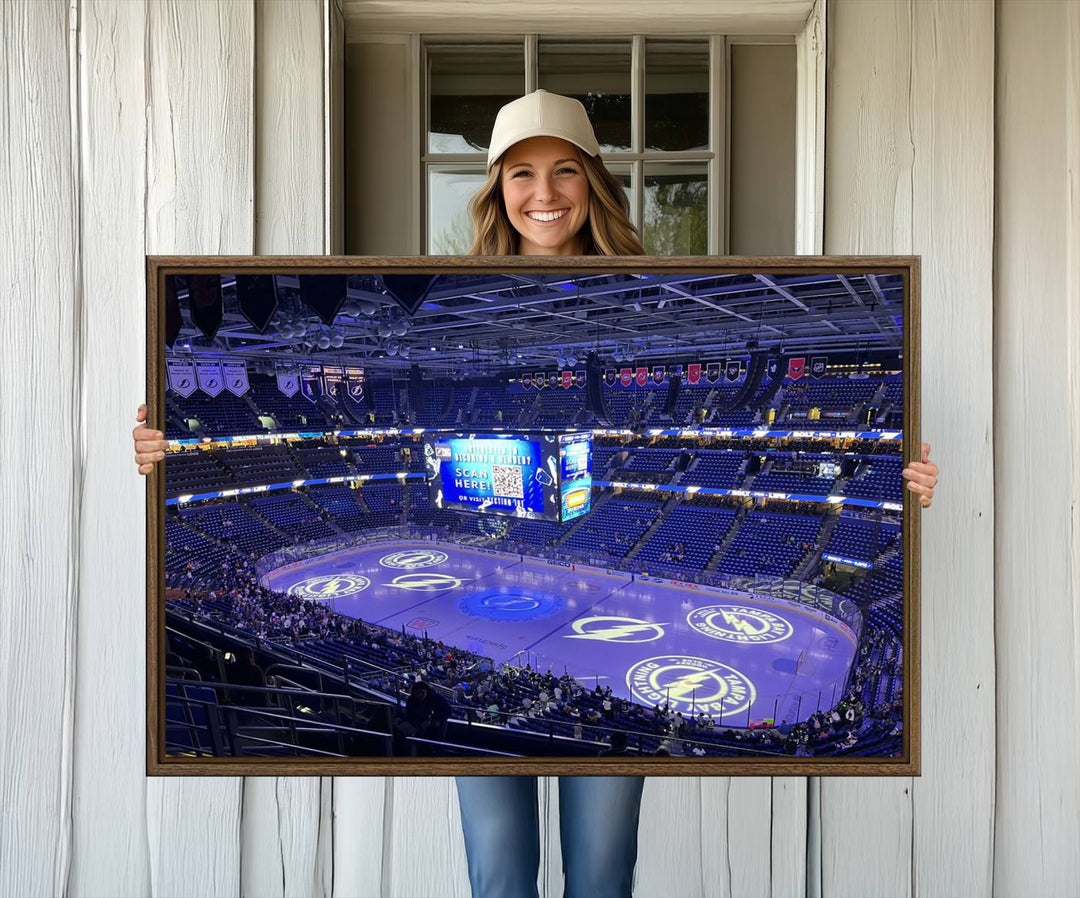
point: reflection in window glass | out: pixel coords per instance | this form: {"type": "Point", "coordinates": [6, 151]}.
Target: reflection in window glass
{"type": "Point", "coordinates": [467, 84]}
{"type": "Point", "coordinates": [449, 191]}
{"type": "Point", "coordinates": [597, 74]}
{"type": "Point", "coordinates": [676, 95]}
{"type": "Point", "coordinates": [676, 209]}
{"type": "Point", "coordinates": [623, 176]}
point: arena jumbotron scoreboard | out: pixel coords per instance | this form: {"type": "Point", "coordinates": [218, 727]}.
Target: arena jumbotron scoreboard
{"type": "Point", "coordinates": [545, 476]}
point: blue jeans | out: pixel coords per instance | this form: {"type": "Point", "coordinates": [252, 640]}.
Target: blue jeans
{"type": "Point", "coordinates": [598, 828]}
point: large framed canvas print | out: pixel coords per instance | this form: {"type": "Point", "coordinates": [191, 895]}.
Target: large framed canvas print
{"type": "Point", "coordinates": [533, 515]}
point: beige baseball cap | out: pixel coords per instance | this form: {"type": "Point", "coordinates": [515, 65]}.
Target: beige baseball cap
{"type": "Point", "coordinates": [541, 114]}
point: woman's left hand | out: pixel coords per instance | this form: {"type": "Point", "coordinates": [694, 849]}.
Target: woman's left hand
{"type": "Point", "coordinates": [922, 477]}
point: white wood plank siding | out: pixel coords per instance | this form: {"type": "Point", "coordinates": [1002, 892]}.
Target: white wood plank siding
{"type": "Point", "coordinates": [289, 132]}
{"type": "Point", "coordinates": [282, 817]}
{"type": "Point", "coordinates": [41, 465]}
{"type": "Point", "coordinates": [952, 223]}
{"type": "Point", "coordinates": [1036, 366]}
{"type": "Point", "coordinates": [109, 815]}
{"type": "Point", "coordinates": [865, 835]}
{"type": "Point", "coordinates": [200, 193]}
{"type": "Point", "coordinates": [423, 848]}
{"type": "Point", "coordinates": [909, 168]}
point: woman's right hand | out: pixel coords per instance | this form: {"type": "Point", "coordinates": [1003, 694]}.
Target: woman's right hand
{"type": "Point", "coordinates": [149, 444]}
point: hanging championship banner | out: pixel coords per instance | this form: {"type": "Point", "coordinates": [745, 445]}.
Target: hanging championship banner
{"type": "Point", "coordinates": [712, 372]}
{"type": "Point", "coordinates": [579, 378]}
{"type": "Point", "coordinates": [354, 384]}
{"type": "Point", "coordinates": [642, 376]}
{"type": "Point", "coordinates": [626, 376]}
{"type": "Point", "coordinates": [288, 381]}
{"type": "Point", "coordinates": [675, 371]}
{"type": "Point", "coordinates": [526, 380]}
{"type": "Point", "coordinates": [310, 375]}
{"type": "Point", "coordinates": [659, 374]}
{"type": "Point", "coordinates": [733, 370]}
{"type": "Point", "coordinates": [181, 376]}
{"type": "Point", "coordinates": [540, 380]}
{"type": "Point", "coordinates": [773, 367]}
{"type": "Point", "coordinates": [795, 368]}
{"type": "Point", "coordinates": [818, 364]}
{"type": "Point", "coordinates": [553, 378]}
{"type": "Point", "coordinates": [209, 376]}
{"type": "Point", "coordinates": [693, 372]}
{"type": "Point", "coordinates": [332, 376]}
{"type": "Point", "coordinates": [236, 377]}
{"type": "Point", "coordinates": [567, 379]}
{"type": "Point", "coordinates": [610, 376]}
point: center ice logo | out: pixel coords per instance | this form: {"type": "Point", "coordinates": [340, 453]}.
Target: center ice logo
{"type": "Point", "coordinates": [739, 623]}
{"type": "Point", "coordinates": [692, 684]}
{"type": "Point", "coordinates": [411, 559]}
{"type": "Point", "coordinates": [333, 586]}
{"type": "Point", "coordinates": [510, 603]}
{"type": "Point", "coordinates": [616, 629]}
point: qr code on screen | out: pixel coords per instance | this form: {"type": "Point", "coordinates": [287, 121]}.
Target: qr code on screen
{"type": "Point", "coordinates": [506, 482]}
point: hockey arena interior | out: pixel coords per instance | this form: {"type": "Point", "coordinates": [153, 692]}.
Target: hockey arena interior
{"type": "Point", "coordinates": [535, 514]}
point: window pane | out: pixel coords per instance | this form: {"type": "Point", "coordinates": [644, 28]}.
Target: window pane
{"type": "Point", "coordinates": [449, 191]}
{"type": "Point", "coordinates": [597, 74]}
{"type": "Point", "coordinates": [624, 176]}
{"type": "Point", "coordinates": [466, 87]}
{"type": "Point", "coordinates": [676, 209]}
{"type": "Point", "coordinates": [676, 95]}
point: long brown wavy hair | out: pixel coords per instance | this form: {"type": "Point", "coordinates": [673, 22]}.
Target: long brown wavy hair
{"type": "Point", "coordinates": [607, 231]}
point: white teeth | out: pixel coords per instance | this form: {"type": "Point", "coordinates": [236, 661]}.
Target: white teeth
{"type": "Point", "coordinates": [546, 216]}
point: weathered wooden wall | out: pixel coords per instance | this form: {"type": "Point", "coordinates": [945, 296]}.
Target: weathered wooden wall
{"type": "Point", "coordinates": [198, 127]}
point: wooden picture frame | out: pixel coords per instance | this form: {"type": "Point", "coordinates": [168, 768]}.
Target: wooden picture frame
{"type": "Point", "coordinates": [775, 308]}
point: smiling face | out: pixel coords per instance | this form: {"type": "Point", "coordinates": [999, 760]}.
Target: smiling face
{"type": "Point", "coordinates": [546, 195]}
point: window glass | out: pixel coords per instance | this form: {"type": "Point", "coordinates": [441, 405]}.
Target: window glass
{"type": "Point", "coordinates": [597, 74]}
{"type": "Point", "coordinates": [467, 84]}
{"type": "Point", "coordinates": [676, 209]}
{"type": "Point", "coordinates": [676, 95]}
{"type": "Point", "coordinates": [449, 190]}
{"type": "Point", "coordinates": [623, 175]}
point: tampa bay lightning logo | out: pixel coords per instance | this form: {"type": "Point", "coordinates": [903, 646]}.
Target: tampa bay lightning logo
{"type": "Point", "coordinates": [616, 629]}
{"type": "Point", "coordinates": [739, 623]}
{"type": "Point", "coordinates": [332, 586]}
{"type": "Point", "coordinates": [511, 603]}
{"type": "Point", "coordinates": [692, 684]}
{"type": "Point", "coordinates": [412, 559]}
{"type": "Point", "coordinates": [426, 582]}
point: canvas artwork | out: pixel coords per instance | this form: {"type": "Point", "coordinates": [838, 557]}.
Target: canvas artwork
{"type": "Point", "coordinates": [505, 516]}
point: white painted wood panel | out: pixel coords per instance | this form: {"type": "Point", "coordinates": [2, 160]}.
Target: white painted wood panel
{"type": "Point", "coordinates": [290, 157]}
{"type": "Point", "coordinates": [200, 196]}
{"type": "Point", "coordinates": [865, 835]}
{"type": "Point", "coordinates": [910, 169]}
{"type": "Point", "coordinates": [952, 130]}
{"type": "Point", "coordinates": [361, 807]}
{"type": "Point", "coordinates": [282, 817]}
{"type": "Point", "coordinates": [423, 847]}
{"type": "Point", "coordinates": [109, 814]}
{"type": "Point", "coordinates": [40, 477]}
{"type": "Point", "coordinates": [1037, 363]}
{"type": "Point", "coordinates": [671, 841]}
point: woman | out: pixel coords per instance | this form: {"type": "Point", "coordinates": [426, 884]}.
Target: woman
{"type": "Point", "coordinates": [548, 193]}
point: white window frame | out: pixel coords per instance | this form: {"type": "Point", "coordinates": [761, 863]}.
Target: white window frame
{"type": "Point", "coordinates": [809, 41]}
